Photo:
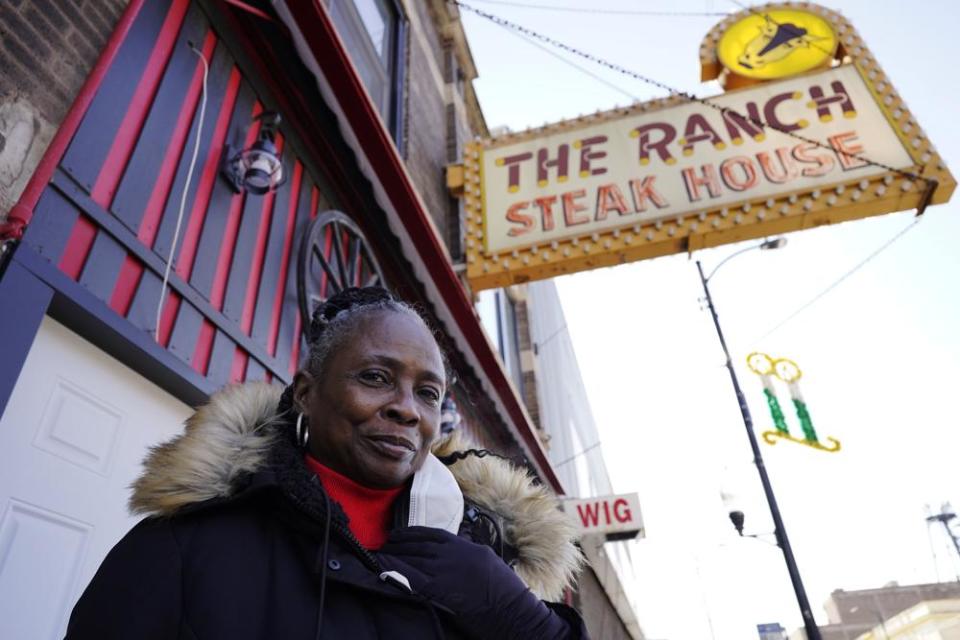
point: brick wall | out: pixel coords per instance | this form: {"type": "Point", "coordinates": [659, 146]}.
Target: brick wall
{"type": "Point", "coordinates": [525, 345]}
{"type": "Point", "coordinates": [428, 18]}
{"type": "Point", "coordinates": [866, 606]}
{"type": "Point", "coordinates": [853, 613]}
{"type": "Point", "coordinates": [47, 48]}
{"type": "Point", "coordinates": [426, 139]}
{"type": "Point", "coordinates": [438, 115]}
{"type": "Point", "coordinates": [598, 613]}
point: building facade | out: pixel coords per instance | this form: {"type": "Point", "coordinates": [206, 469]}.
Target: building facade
{"type": "Point", "coordinates": [139, 274]}
{"type": "Point", "coordinates": [928, 620]}
{"type": "Point", "coordinates": [851, 614]}
{"type": "Point", "coordinates": [531, 334]}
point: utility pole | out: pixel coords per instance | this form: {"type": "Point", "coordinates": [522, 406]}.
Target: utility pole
{"type": "Point", "coordinates": [809, 624]}
{"type": "Point", "coordinates": [944, 517]}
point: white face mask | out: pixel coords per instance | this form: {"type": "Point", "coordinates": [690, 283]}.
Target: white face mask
{"type": "Point", "coordinates": [435, 497]}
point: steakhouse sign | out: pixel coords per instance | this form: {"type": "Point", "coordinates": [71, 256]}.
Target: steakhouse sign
{"type": "Point", "coordinates": [672, 176]}
{"type": "Point", "coordinates": [654, 166]}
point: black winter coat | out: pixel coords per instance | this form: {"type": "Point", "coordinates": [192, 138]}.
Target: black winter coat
{"type": "Point", "coordinates": [234, 547]}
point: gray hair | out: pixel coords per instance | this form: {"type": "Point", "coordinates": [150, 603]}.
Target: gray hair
{"type": "Point", "coordinates": [336, 317]}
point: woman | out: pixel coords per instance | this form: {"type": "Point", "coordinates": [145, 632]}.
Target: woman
{"type": "Point", "coordinates": [322, 513]}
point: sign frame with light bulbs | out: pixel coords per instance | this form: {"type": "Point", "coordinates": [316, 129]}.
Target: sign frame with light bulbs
{"type": "Point", "coordinates": [672, 175]}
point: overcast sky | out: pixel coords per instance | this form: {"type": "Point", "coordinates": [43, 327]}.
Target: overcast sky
{"type": "Point", "coordinates": [880, 353]}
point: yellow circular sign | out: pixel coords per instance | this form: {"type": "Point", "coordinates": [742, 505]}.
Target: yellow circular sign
{"type": "Point", "coordinates": [776, 44]}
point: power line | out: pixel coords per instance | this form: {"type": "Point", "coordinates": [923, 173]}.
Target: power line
{"type": "Point", "coordinates": [545, 342]}
{"type": "Point", "coordinates": [576, 66]}
{"type": "Point", "coordinates": [839, 280]}
{"type": "Point", "coordinates": [621, 12]}
{"type": "Point", "coordinates": [507, 24]}
{"type": "Point", "coordinates": [577, 455]}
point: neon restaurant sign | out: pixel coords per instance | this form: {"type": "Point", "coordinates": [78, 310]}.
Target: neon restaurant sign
{"type": "Point", "coordinates": [810, 132]}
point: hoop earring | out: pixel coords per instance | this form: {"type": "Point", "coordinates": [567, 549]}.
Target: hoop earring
{"type": "Point", "coordinates": [303, 432]}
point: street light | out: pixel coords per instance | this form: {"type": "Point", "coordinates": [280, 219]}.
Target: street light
{"type": "Point", "coordinates": [813, 632]}
{"type": "Point", "coordinates": [766, 245]}
{"type": "Point", "coordinates": [256, 169]}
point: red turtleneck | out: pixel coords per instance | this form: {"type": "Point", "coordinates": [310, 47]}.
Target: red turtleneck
{"type": "Point", "coordinates": [369, 510]}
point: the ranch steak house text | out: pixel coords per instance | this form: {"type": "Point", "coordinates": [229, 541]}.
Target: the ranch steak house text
{"type": "Point", "coordinates": [653, 165]}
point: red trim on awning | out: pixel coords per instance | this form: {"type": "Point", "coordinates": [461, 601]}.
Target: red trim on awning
{"type": "Point", "coordinates": [227, 245]}
{"type": "Point", "coordinates": [109, 179]}
{"type": "Point", "coordinates": [153, 213]}
{"type": "Point", "coordinates": [259, 251]}
{"type": "Point", "coordinates": [204, 347]}
{"type": "Point", "coordinates": [321, 37]}
{"type": "Point", "coordinates": [280, 288]}
{"type": "Point", "coordinates": [126, 286]}
{"type": "Point", "coordinates": [125, 141]}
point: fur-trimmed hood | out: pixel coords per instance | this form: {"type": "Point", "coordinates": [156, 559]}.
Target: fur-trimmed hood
{"type": "Point", "coordinates": [232, 436]}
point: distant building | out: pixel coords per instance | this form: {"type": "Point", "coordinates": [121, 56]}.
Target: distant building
{"type": "Point", "coordinates": [851, 614]}
{"type": "Point", "coordinates": [931, 620]}
{"type": "Point", "coordinates": [528, 326]}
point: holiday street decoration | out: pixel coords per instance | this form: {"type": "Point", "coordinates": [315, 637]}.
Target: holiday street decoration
{"type": "Point", "coordinates": [787, 371]}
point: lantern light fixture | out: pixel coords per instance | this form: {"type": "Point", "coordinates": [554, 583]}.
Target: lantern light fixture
{"type": "Point", "coordinates": [256, 169]}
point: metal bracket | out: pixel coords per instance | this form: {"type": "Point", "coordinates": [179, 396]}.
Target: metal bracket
{"type": "Point", "coordinates": [927, 196]}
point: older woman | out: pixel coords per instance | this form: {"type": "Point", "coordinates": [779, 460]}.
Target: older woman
{"type": "Point", "coordinates": [322, 513]}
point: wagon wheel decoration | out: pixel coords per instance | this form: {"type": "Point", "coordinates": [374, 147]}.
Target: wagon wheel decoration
{"type": "Point", "coordinates": [334, 255]}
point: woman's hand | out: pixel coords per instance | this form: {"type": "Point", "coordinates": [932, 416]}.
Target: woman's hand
{"type": "Point", "coordinates": [470, 580]}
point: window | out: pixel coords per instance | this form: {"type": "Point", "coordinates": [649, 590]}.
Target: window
{"type": "Point", "coordinates": [498, 316]}
{"type": "Point", "coordinates": [379, 22]}
{"type": "Point", "coordinates": [509, 341]}
{"type": "Point", "coordinates": [374, 34]}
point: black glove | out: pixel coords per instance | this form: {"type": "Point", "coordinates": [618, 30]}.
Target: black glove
{"type": "Point", "coordinates": [488, 598]}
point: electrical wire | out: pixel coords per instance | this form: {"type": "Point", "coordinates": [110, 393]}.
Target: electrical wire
{"type": "Point", "coordinates": [618, 12]}
{"type": "Point", "coordinates": [576, 66]}
{"type": "Point", "coordinates": [507, 24]}
{"type": "Point", "coordinates": [839, 280]}
{"type": "Point", "coordinates": [183, 196]}
{"type": "Point", "coordinates": [577, 455]}
{"type": "Point", "coordinates": [553, 335]}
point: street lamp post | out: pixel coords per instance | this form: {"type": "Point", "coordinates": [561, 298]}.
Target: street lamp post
{"type": "Point", "coordinates": [813, 633]}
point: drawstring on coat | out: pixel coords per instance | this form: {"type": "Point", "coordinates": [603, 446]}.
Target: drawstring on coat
{"type": "Point", "coordinates": [322, 556]}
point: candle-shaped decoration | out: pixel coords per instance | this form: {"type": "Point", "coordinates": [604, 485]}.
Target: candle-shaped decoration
{"type": "Point", "coordinates": [762, 365]}
{"type": "Point", "coordinates": [787, 371]}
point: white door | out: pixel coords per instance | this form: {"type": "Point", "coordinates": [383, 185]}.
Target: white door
{"type": "Point", "coordinates": [71, 441]}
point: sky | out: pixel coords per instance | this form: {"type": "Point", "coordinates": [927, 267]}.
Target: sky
{"type": "Point", "coordinates": [880, 352]}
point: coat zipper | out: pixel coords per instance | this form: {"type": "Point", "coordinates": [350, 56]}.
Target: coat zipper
{"type": "Point", "coordinates": [348, 536]}
{"type": "Point", "coordinates": [362, 551]}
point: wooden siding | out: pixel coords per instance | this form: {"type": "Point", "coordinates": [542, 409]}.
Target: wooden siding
{"type": "Point", "coordinates": [108, 217]}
